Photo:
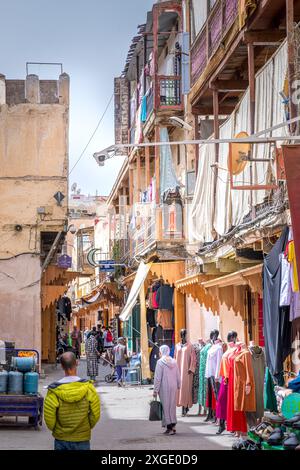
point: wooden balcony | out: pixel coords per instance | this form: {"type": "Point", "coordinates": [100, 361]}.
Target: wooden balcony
{"type": "Point", "coordinates": [162, 225]}
{"type": "Point", "coordinates": [219, 22]}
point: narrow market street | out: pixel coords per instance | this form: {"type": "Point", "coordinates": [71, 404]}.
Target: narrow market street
{"type": "Point", "coordinates": [124, 424]}
{"type": "Point", "coordinates": [150, 229]}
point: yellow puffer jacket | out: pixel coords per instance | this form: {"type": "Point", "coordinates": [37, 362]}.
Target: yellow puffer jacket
{"type": "Point", "coordinates": [71, 410]}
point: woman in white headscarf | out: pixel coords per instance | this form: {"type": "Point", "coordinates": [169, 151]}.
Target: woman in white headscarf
{"type": "Point", "coordinates": [166, 385]}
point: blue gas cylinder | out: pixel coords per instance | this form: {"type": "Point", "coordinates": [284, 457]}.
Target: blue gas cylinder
{"type": "Point", "coordinates": [31, 383]}
{"type": "Point", "coordinates": [15, 383]}
{"type": "Point", "coordinates": [23, 364]}
{"type": "Point", "coordinates": [3, 381]}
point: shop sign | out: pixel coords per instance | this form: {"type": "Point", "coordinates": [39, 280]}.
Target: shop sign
{"type": "Point", "coordinates": [291, 405]}
{"type": "Point", "coordinates": [64, 261]}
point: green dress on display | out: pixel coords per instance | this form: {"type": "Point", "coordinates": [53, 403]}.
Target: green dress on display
{"type": "Point", "coordinates": [202, 379]}
{"type": "Point", "coordinates": [269, 395]}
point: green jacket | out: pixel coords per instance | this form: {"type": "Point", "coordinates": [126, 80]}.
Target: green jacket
{"type": "Point", "coordinates": [71, 410]}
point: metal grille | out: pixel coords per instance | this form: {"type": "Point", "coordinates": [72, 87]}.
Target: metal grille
{"type": "Point", "coordinates": [170, 92]}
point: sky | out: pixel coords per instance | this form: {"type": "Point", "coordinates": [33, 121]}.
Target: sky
{"type": "Point", "coordinates": [91, 38]}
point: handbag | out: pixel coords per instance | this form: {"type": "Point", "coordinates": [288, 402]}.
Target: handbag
{"type": "Point", "coordinates": [156, 411]}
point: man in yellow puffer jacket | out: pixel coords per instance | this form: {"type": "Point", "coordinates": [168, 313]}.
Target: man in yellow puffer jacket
{"type": "Point", "coordinates": [71, 408]}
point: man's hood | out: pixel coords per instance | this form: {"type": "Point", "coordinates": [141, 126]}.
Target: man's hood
{"type": "Point", "coordinates": [71, 392]}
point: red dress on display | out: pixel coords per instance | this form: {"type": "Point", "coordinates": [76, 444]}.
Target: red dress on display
{"type": "Point", "coordinates": [236, 420]}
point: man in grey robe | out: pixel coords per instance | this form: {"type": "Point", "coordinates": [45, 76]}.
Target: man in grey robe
{"type": "Point", "coordinates": [166, 385]}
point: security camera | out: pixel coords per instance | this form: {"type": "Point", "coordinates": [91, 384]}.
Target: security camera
{"type": "Point", "coordinates": [176, 121]}
{"type": "Point", "coordinates": [100, 158]}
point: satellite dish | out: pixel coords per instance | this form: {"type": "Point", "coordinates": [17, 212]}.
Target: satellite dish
{"type": "Point", "coordinates": [238, 153]}
{"type": "Point", "coordinates": [74, 187]}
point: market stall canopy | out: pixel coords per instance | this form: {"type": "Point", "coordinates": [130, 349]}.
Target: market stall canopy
{"type": "Point", "coordinates": [140, 277]}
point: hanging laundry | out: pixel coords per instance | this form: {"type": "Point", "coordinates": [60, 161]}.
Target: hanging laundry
{"type": "Point", "coordinates": [277, 327]}
{"type": "Point", "coordinates": [286, 286]}
{"type": "Point", "coordinates": [164, 297]}
{"type": "Point", "coordinates": [292, 260]}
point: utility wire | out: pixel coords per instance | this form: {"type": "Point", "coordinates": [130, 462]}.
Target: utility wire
{"type": "Point", "coordinates": [93, 134]}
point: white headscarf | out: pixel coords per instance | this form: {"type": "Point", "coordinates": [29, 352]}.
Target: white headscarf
{"type": "Point", "coordinates": [164, 350]}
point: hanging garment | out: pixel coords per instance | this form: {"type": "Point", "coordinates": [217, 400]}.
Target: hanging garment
{"type": "Point", "coordinates": [270, 402]}
{"type": "Point", "coordinates": [295, 335]}
{"type": "Point", "coordinates": [292, 259]}
{"type": "Point", "coordinates": [243, 378]}
{"type": "Point", "coordinates": [212, 393]}
{"type": "Point", "coordinates": [158, 334]}
{"type": "Point", "coordinates": [236, 420]}
{"type": "Point", "coordinates": [202, 379]}
{"type": "Point", "coordinates": [164, 297]}
{"type": "Point", "coordinates": [197, 349]}
{"type": "Point", "coordinates": [277, 328]}
{"type": "Point", "coordinates": [259, 366]}
{"type": "Point", "coordinates": [186, 361]}
{"type": "Point", "coordinates": [151, 317]}
{"type": "Point", "coordinates": [165, 319]}
{"type": "Point", "coordinates": [295, 306]}
{"type": "Point", "coordinates": [213, 362]}
{"type": "Point", "coordinates": [65, 307]}
{"type": "Point", "coordinates": [221, 409]}
{"type": "Point", "coordinates": [154, 357]}
{"type": "Point", "coordinates": [246, 8]}
{"type": "Point", "coordinates": [144, 109]}
{"type": "Point", "coordinates": [285, 287]}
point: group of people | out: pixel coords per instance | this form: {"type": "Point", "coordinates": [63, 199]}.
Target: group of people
{"type": "Point", "coordinates": [97, 341]}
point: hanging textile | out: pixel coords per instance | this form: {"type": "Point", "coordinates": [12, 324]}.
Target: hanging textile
{"type": "Point", "coordinates": [236, 420]}
{"type": "Point", "coordinates": [270, 402]}
{"type": "Point", "coordinates": [221, 411]}
{"type": "Point", "coordinates": [246, 8]}
{"type": "Point", "coordinates": [243, 378]}
{"type": "Point", "coordinates": [144, 109]}
{"type": "Point", "coordinates": [277, 327]}
{"type": "Point", "coordinates": [228, 208]}
{"type": "Point", "coordinates": [202, 379]}
{"type": "Point", "coordinates": [186, 361]}
{"type": "Point", "coordinates": [258, 365]}
{"type": "Point", "coordinates": [168, 179]}
{"type": "Point", "coordinates": [197, 350]}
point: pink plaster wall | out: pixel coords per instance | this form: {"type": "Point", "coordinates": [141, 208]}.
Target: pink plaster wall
{"type": "Point", "coordinates": [200, 321]}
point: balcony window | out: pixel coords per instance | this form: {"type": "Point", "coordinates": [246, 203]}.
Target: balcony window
{"type": "Point", "coordinates": [170, 92]}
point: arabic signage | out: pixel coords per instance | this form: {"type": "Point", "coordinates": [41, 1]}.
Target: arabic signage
{"type": "Point", "coordinates": [64, 261]}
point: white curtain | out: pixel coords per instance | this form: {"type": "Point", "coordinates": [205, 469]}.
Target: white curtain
{"type": "Point", "coordinates": [209, 215]}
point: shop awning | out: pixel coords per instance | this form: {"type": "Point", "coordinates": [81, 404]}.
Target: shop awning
{"type": "Point", "coordinates": [140, 277]}
{"type": "Point", "coordinates": [237, 278]}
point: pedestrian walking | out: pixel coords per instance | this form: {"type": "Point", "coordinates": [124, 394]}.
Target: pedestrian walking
{"type": "Point", "coordinates": [71, 408]}
{"type": "Point", "coordinates": [108, 338]}
{"type": "Point", "coordinates": [120, 359]}
{"type": "Point", "coordinates": [100, 340]}
{"type": "Point", "coordinates": [76, 341]}
{"type": "Point", "coordinates": [166, 384]}
{"type": "Point", "coordinates": [85, 334]}
{"type": "Point", "coordinates": [92, 355]}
